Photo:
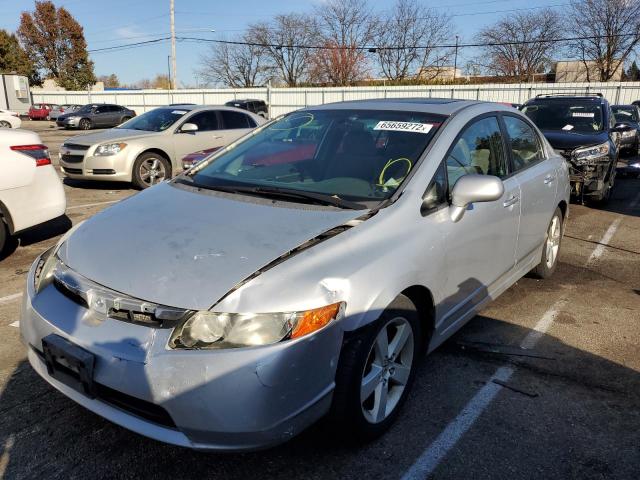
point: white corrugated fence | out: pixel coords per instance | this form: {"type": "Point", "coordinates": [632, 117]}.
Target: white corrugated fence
{"type": "Point", "coordinates": [284, 100]}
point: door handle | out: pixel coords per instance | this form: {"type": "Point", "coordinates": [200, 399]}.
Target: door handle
{"type": "Point", "coordinates": [512, 200]}
{"type": "Point", "coordinates": [548, 179]}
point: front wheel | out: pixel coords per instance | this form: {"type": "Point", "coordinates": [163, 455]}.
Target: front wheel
{"type": "Point", "coordinates": [84, 124]}
{"type": "Point", "coordinates": [150, 169]}
{"type": "Point", "coordinates": [4, 124]}
{"type": "Point", "coordinates": [551, 247]}
{"type": "Point", "coordinates": [375, 372]}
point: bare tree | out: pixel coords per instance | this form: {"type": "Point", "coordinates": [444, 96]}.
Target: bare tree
{"type": "Point", "coordinates": [608, 31]}
{"type": "Point", "coordinates": [235, 65]}
{"type": "Point", "coordinates": [529, 39]}
{"type": "Point", "coordinates": [417, 31]}
{"type": "Point", "coordinates": [345, 27]}
{"type": "Point", "coordinates": [282, 38]}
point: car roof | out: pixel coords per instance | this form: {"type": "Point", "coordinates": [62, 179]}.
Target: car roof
{"type": "Point", "coordinates": [553, 98]}
{"type": "Point", "coordinates": [440, 106]}
{"type": "Point", "coordinates": [243, 100]}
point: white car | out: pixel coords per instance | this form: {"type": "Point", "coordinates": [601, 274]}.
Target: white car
{"type": "Point", "coordinates": [9, 119]}
{"type": "Point", "coordinates": [30, 189]}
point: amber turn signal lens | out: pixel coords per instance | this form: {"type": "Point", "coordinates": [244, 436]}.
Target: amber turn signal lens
{"type": "Point", "coordinates": [313, 320]}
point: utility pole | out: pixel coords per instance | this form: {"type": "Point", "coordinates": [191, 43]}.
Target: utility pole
{"type": "Point", "coordinates": [455, 59]}
{"type": "Point", "coordinates": [174, 76]}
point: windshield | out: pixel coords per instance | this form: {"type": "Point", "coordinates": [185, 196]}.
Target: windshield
{"type": "Point", "coordinates": [569, 116]}
{"type": "Point", "coordinates": [625, 114]}
{"type": "Point", "coordinates": [358, 155]}
{"type": "Point", "coordinates": [156, 120]}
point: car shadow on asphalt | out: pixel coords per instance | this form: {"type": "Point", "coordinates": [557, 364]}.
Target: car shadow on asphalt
{"type": "Point", "coordinates": [43, 433]}
{"type": "Point", "coordinates": [38, 233]}
{"type": "Point", "coordinates": [96, 184]}
{"type": "Point", "coordinates": [625, 191]}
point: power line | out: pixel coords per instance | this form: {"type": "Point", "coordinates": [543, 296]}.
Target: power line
{"type": "Point", "coordinates": [368, 48]}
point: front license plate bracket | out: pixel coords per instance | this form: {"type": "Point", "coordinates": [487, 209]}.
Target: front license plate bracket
{"type": "Point", "coordinates": [69, 364]}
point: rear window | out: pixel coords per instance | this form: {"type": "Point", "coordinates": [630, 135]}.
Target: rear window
{"type": "Point", "coordinates": [567, 115]}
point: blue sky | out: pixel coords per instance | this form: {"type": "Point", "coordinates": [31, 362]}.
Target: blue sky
{"type": "Point", "coordinates": [117, 22]}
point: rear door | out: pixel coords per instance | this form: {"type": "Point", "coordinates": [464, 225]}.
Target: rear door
{"type": "Point", "coordinates": [537, 178]}
{"type": "Point", "coordinates": [207, 136]}
{"type": "Point", "coordinates": [235, 125]}
{"type": "Point", "coordinates": [481, 246]}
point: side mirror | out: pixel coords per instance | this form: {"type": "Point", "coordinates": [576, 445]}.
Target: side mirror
{"type": "Point", "coordinates": [189, 128]}
{"type": "Point", "coordinates": [471, 189]}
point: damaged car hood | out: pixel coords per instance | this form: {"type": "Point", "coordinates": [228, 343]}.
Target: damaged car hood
{"type": "Point", "coordinates": [571, 140]}
{"type": "Point", "coordinates": [177, 247]}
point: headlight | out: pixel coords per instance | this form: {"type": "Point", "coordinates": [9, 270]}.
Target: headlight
{"type": "Point", "coordinates": [48, 260]}
{"type": "Point", "coordinates": [109, 149]}
{"type": "Point", "coordinates": [212, 330]}
{"type": "Point", "coordinates": [586, 155]}
{"type": "Point", "coordinates": [629, 133]}
{"type": "Point", "coordinates": [73, 118]}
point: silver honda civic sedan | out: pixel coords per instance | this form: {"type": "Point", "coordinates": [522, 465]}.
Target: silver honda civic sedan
{"type": "Point", "coordinates": [300, 272]}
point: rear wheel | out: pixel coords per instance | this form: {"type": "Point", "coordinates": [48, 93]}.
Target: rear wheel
{"type": "Point", "coordinates": [551, 248]}
{"type": "Point", "coordinates": [4, 124]}
{"type": "Point", "coordinates": [84, 124]}
{"type": "Point", "coordinates": [376, 370]}
{"type": "Point", "coordinates": [150, 169]}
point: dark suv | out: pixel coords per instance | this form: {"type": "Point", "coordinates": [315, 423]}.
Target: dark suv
{"type": "Point", "coordinates": [584, 131]}
{"type": "Point", "coordinates": [255, 106]}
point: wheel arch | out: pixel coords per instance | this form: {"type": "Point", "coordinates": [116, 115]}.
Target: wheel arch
{"type": "Point", "coordinates": [422, 298]}
{"type": "Point", "coordinates": [5, 216]}
{"type": "Point", "coordinates": [157, 151]}
{"type": "Point", "coordinates": [563, 206]}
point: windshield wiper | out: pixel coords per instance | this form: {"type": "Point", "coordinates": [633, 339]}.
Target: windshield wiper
{"type": "Point", "coordinates": [286, 193]}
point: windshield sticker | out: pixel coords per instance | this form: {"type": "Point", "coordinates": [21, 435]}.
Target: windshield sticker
{"type": "Point", "coordinates": [568, 127]}
{"type": "Point", "coordinates": [404, 126]}
{"type": "Point", "coordinates": [583, 114]}
{"type": "Point", "coordinates": [179, 112]}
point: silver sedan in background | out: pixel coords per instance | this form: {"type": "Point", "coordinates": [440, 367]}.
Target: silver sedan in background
{"type": "Point", "coordinates": [298, 273]}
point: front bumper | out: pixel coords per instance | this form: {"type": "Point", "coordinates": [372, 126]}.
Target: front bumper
{"type": "Point", "coordinates": [236, 399]}
{"type": "Point", "coordinates": [68, 122]}
{"type": "Point", "coordinates": [83, 165]}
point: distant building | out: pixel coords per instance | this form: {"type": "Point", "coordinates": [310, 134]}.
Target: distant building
{"type": "Point", "coordinates": [50, 85]}
{"type": "Point", "coordinates": [439, 73]}
{"type": "Point", "coordinates": [576, 71]}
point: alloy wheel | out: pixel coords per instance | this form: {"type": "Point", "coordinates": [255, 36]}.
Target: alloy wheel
{"type": "Point", "coordinates": [553, 241]}
{"type": "Point", "coordinates": [4, 124]}
{"type": "Point", "coordinates": [84, 124]}
{"type": "Point", "coordinates": [387, 370]}
{"type": "Point", "coordinates": [152, 171]}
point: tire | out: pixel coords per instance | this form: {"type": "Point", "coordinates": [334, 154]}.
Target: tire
{"type": "Point", "coordinates": [149, 169]}
{"type": "Point", "coordinates": [4, 124]}
{"type": "Point", "coordinates": [551, 248]}
{"type": "Point", "coordinates": [84, 124]}
{"type": "Point", "coordinates": [47, 118]}
{"type": "Point", "coordinates": [4, 235]}
{"type": "Point", "coordinates": [124, 119]}
{"type": "Point", "coordinates": [603, 197]}
{"type": "Point", "coordinates": [362, 419]}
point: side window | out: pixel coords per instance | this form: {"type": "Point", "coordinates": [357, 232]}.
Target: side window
{"type": "Point", "coordinates": [233, 120]}
{"type": "Point", "coordinates": [100, 110]}
{"type": "Point", "coordinates": [524, 143]}
{"type": "Point", "coordinates": [206, 121]}
{"type": "Point", "coordinates": [479, 150]}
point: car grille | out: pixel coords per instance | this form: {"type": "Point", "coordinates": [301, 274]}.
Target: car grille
{"type": "Point", "coordinates": [133, 405]}
{"type": "Point", "coordinates": [73, 171]}
{"type": "Point", "coordinates": [72, 158]}
{"type": "Point", "coordinates": [103, 171]}
{"type": "Point", "coordinates": [75, 146]}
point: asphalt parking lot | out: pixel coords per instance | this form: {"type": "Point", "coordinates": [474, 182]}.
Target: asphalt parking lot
{"type": "Point", "coordinates": [545, 383]}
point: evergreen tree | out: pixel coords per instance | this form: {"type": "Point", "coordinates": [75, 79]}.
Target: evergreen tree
{"type": "Point", "coordinates": [13, 58]}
